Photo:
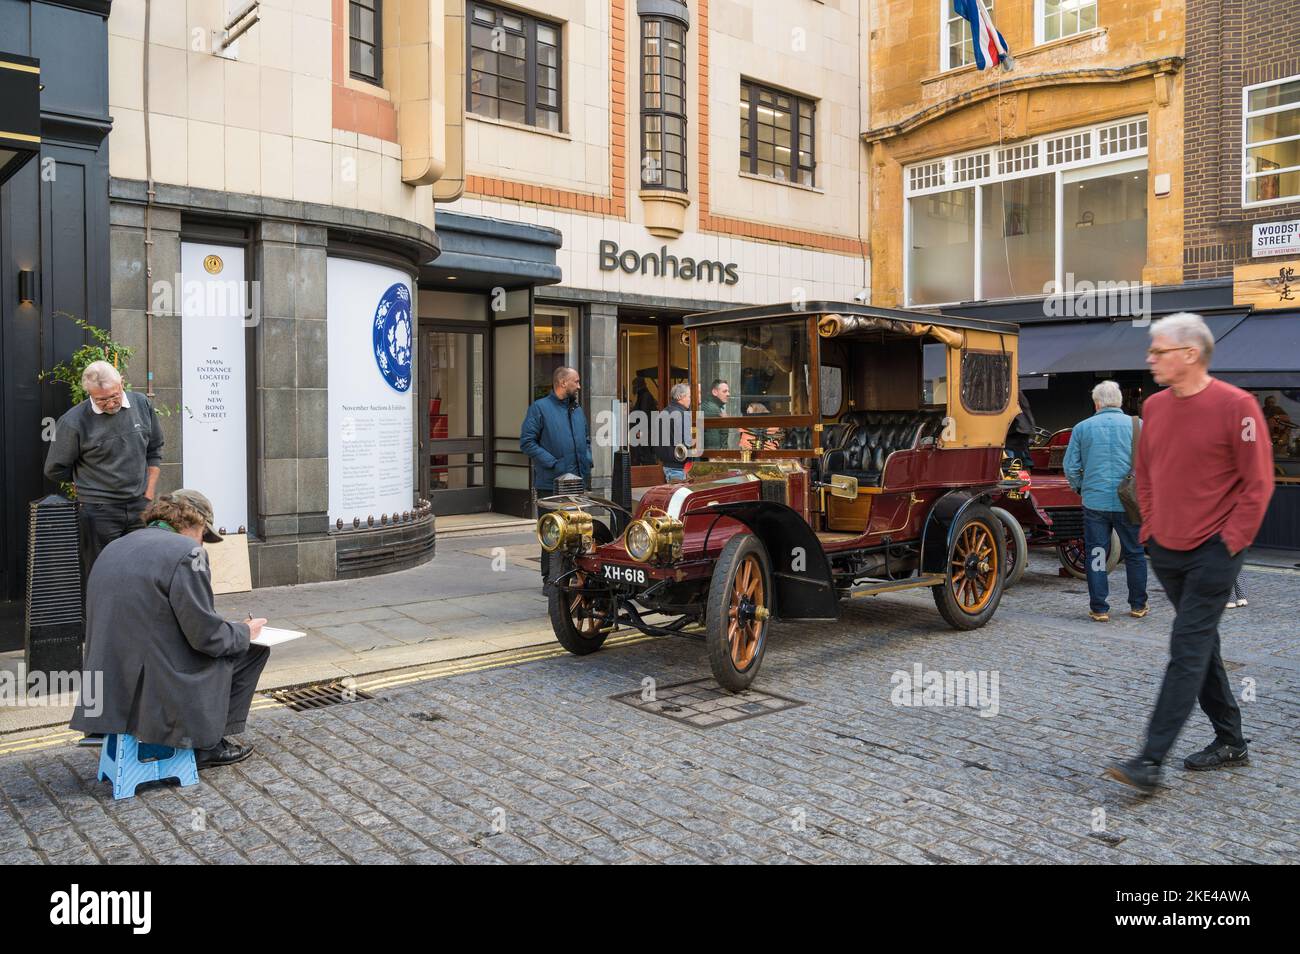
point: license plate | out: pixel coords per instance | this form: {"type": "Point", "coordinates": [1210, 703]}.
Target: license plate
{"type": "Point", "coordinates": [623, 574]}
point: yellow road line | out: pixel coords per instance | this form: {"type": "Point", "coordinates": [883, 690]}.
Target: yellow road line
{"type": "Point", "coordinates": [452, 667]}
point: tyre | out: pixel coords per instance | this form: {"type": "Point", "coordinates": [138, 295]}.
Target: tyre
{"type": "Point", "coordinates": [581, 620]}
{"type": "Point", "coordinates": [1017, 548]}
{"type": "Point", "coordinates": [973, 579]}
{"type": "Point", "coordinates": [1074, 559]}
{"type": "Point", "coordinates": [740, 596]}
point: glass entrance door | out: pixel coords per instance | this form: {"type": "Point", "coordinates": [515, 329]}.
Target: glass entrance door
{"type": "Point", "coordinates": [452, 388]}
{"type": "Point", "coordinates": [651, 358]}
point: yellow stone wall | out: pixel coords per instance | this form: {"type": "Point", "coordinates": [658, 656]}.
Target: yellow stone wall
{"type": "Point", "coordinates": [1130, 65]}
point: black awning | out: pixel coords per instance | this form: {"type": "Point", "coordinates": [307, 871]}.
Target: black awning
{"type": "Point", "coordinates": [20, 112]}
{"type": "Point", "coordinates": [1065, 347]}
{"type": "Point", "coordinates": [479, 253]}
{"type": "Point", "coordinates": [1264, 342]}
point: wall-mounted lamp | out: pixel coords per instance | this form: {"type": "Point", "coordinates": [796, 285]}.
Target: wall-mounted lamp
{"type": "Point", "coordinates": [26, 286]}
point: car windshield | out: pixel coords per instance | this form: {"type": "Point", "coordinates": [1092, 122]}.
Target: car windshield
{"type": "Point", "coordinates": [755, 369]}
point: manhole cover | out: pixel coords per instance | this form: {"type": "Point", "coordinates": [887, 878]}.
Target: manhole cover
{"type": "Point", "coordinates": [319, 696]}
{"type": "Point", "coordinates": [704, 704]}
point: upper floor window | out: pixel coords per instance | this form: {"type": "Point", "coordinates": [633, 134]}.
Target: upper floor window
{"type": "Point", "coordinates": [1272, 142]}
{"type": "Point", "coordinates": [365, 41]}
{"type": "Point", "coordinates": [955, 47]}
{"type": "Point", "coordinates": [777, 134]}
{"type": "Point", "coordinates": [1028, 219]}
{"type": "Point", "coordinates": [514, 67]}
{"type": "Point", "coordinates": [1061, 18]}
{"type": "Point", "coordinates": [663, 103]}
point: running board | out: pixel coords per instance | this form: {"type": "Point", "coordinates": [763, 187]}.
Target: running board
{"type": "Point", "coordinates": [890, 586]}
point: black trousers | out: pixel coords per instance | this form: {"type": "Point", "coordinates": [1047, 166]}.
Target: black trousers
{"type": "Point", "coordinates": [243, 683]}
{"type": "Point", "coordinates": [102, 523]}
{"type": "Point", "coordinates": [1198, 583]}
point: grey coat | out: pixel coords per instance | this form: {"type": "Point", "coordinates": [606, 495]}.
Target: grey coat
{"type": "Point", "coordinates": [165, 654]}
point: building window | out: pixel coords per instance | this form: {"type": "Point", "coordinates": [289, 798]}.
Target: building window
{"type": "Point", "coordinates": [777, 134]}
{"type": "Point", "coordinates": [514, 67]}
{"type": "Point", "coordinates": [955, 47]}
{"type": "Point", "coordinates": [663, 103]}
{"type": "Point", "coordinates": [1272, 142]}
{"type": "Point", "coordinates": [1009, 222]}
{"type": "Point", "coordinates": [1061, 18]}
{"type": "Point", "coordinates": [365, 40]}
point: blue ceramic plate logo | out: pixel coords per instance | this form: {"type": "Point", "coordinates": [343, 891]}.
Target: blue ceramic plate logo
{"type": "Point", "coordinates": [392, 337]}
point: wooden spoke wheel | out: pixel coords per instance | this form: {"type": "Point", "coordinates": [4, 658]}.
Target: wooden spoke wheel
{"type": "Point", "coordinates": [582, 615]}
{"type": "Point", "coordinates": [738, 611]}
{"type": "Point", "coordinates": [974, 578]}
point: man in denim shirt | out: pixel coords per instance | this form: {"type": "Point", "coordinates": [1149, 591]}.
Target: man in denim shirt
{"type": "Point", "coordinates": [1098, 459]}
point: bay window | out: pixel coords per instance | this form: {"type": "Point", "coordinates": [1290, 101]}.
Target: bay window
{"type": "Point", "coordinates": [1011, 221]}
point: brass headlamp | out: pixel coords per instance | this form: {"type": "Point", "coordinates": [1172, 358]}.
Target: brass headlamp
{"type": "Point", "coordinates": [654, 537]}
{"type": "Point", "coordinates": [566, 530]}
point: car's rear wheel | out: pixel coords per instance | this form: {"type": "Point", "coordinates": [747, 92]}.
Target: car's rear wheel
{"type": "Point", "coordinates": [972, 587]}
{"type": "Point", "coordinates": [737, 613]}
{"type": "Point", "coordinates": [1017, 547]}
{"type": "Point", "coordinates": [581, 616]}
{"type": "Point", "coordinates": [1073, 556]}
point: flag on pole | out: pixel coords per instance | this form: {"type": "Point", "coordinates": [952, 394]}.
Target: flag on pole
{"type": "Point", "coordinates": [990, 48]}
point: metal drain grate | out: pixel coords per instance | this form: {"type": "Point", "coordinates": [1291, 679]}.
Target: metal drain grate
{"type": "Point", "coordinates": [322, 695]}
{"type": "Point", "coordinates": [704, 704]}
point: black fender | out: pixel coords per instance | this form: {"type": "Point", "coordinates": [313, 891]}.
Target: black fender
{"type": "Point", "coordinates": [936, 536]}
{"type": "Point", "coordinates": [807, 593]}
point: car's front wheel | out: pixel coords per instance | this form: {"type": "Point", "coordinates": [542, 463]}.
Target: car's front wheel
{"type": "Point", "coordinates": [1017, 547]}
{"type": "Point", "coordinates": [740, 596]}
{"type": "Point", "coordinates": [581, 615]}
{"type": "Point", "coordinates": [972, 586]}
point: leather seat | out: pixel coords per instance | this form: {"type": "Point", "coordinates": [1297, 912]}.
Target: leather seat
{"type": "Point", "coordinates": [873, 436]}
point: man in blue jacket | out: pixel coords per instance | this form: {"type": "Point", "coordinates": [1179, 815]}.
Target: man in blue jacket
{"type": "Point", "coordinates": [1098, 459]}
{"type": "Point", "coordinates": [554, 435]}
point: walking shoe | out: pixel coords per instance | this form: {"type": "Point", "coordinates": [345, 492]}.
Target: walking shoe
{"type": "Point", "coordinates": [1216, 755]}
{"type": "Point", "coordinates": [224, 752]}
{"type": "Point", "coordinates": [1231, 604]}
{"type": "Point", "coordinates": [1099, 617]}
{"type": "Point", "coordinates": [1139, 613]}
{"type": "Point", "coordinates": [1142, 774]}
{"type": "Point", "coordinates": [1242, 601]}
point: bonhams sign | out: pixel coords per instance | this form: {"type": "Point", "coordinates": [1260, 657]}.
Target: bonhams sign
{"type": "Point", "coordinates": [662, 263]}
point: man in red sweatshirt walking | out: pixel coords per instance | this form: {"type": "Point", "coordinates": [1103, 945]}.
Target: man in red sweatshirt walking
{"type": "Point", "coordinates": [1204, 477]}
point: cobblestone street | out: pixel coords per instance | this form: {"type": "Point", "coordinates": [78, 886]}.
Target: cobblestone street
{"type": "Point", "coordinates": [533, 761]}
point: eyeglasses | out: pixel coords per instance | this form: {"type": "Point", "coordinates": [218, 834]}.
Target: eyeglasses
{"type": "Point", "coordinates": [107, 401]}
{"type": "Point", "coordinates": [1156, 352]}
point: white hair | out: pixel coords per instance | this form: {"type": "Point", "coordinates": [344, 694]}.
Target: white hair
{"type": "Point", "coordinates": [1107, 394]}
{"type": "Point", "coordinates": [679, 391]}
{"type": "Point", "coordinates": [100, 374]}
{"type": "Point", "coordinates": [1186, 330]}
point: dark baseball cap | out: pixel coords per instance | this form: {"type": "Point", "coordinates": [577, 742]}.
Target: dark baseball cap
{"type": "Point", "coordinates": [203, 505]}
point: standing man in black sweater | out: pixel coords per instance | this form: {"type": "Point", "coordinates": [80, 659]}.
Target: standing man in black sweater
{"type": "Point", "coordinates": [110, 447]}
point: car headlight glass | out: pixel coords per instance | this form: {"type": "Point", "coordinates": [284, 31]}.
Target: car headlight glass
{"type": "Point", "coordinates": [550, 531]}
{"type": "Point", "coordinates": [640, 540]}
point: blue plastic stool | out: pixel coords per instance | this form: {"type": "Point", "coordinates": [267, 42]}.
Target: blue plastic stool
{"type": "Point", "coordinates": [127, 763]}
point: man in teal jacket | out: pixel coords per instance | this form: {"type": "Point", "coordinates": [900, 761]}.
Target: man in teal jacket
{"type": "Point", "coordinates": [554, 435]}
{"type": "Point", "coordinates": [1098, 459]}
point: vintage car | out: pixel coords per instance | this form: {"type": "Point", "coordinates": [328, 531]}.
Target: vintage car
{"type": "Point", "coordinates": [839, 468]}
{"type": "Point", "coordinates": [1050, 515]}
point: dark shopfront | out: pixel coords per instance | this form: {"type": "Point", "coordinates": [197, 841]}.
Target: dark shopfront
{"type": "Point", "coordinates": [54, 256]}
{"type": "Point", "coordinates": [1061, 360]}
{"type": "Point", "coordinates": [478, 327]}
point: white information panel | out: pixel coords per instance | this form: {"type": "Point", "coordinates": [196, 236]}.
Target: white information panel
{"type": "Point", "coordinates": [214, 438]}
{"type": "Point", "coordinates": [370, 338]}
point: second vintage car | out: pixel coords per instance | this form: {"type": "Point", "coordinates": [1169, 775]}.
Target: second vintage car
{"type": "Point", "coordinates": [859, 454]}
